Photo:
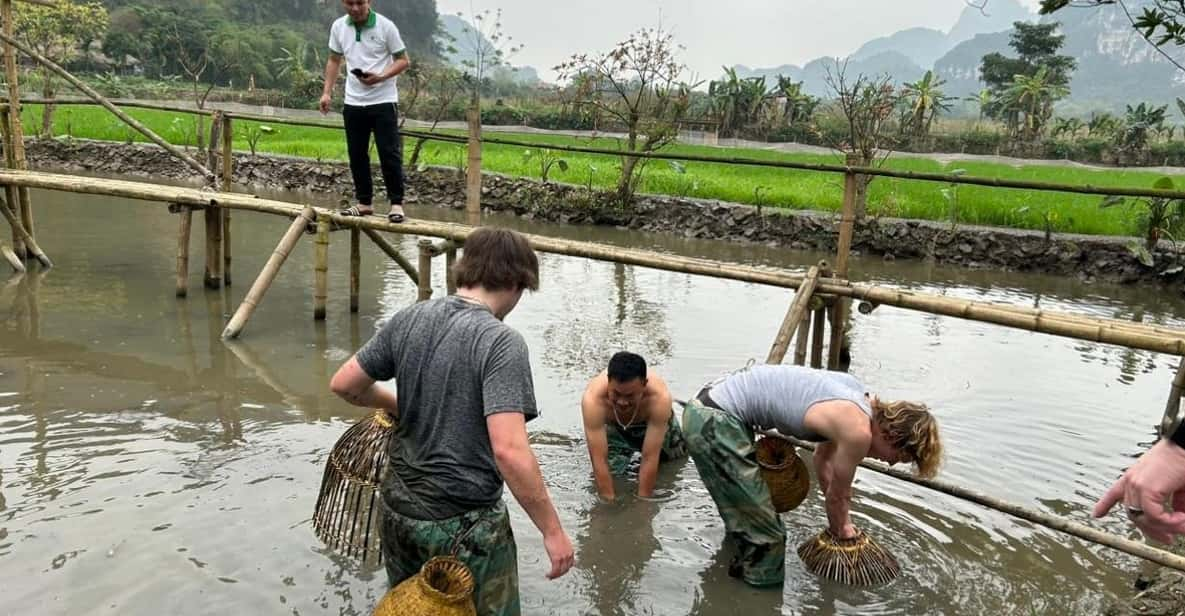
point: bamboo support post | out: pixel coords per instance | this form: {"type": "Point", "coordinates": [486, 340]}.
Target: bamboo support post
{"type": "Point", "coordinates": [355, 268]}
{"type": "Point", "coordinates": [798, 308]}
{"type": "Point", "coordinates": [268, 274]}
{"type": "Point", "coordinates": [1172, 408]}
{"type": "Point", "coordinates": [99, 98]}
{"type": "Point", "coordinates": [837, 311]}
{"type": "Point", "coordinates": [213, 215]}
{"type": "Point", "coordinates": [15, 129]}
{"type": "Point", "coordinates": [11, 193]}
{"type": "Point", "coordinates": [183, 233]}
{"type": "Point", "coordinates": [1079, 530]}
{"type": "Point", "coordinates": [392, 252]}
{"type": "Point", "coordinates": [17, 264]}
{"type": "Point", "coordinates": [473, 169]}
{"type": "Point", "coordinates": [802, 339]}
{"type": "Point", "coordinates": [819, 326]}
{"type": "Point", "coordinates": [425, 281]}
{"type": "Point", "coordinates": [321, 269]}
{"type": "Point", "coordinates": [450, 279]}
{"type": "Point", "coordinates": [30, 243]}
{"type": "Point", "coordinates": [228, 174]}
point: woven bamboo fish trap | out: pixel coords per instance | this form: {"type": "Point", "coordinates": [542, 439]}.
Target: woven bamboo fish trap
{"type": "Point", "coordinates": [443, 587]}
{"type": "Point", "coordinates": [784, 472]}
{"type": "Point", "coordinates": [858, 561]}
{"type": "Point", "coordinates": [347, 514]}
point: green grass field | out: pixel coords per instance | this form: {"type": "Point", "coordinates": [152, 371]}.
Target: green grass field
{"type": "Point", "coordinates": [782, 188]}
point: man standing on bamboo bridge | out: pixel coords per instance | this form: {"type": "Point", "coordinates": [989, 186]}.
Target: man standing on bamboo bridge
{"type": "Point", "coordinates": [374, 54]}
{"type": "Point", "coordinates": [627, 410]}
{"type": "Point", "coordinates": [465, 395]}
{"type": "Point", "coordinates": [831, 408]}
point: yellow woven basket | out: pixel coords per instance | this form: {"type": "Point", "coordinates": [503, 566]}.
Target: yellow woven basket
{"type": "Point", "coordinates": [443, 587]}
{"type": "Point", "coordinates": [784, 472]}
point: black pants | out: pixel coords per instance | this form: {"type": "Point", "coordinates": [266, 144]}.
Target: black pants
{"type": "Point", "coordinates": [383, 121]}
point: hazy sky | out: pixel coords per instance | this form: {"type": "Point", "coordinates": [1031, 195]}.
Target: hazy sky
{"type": "Point", "coordinates": [715, 32]}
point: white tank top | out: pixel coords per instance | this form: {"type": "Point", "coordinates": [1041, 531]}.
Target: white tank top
{"type": "Point", "coordinates": [778, 396]}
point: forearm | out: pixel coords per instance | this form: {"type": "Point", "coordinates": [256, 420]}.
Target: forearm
{"type": "Point", "coordinates": [332, 67]}
{"type": "Point", "coordinates": [520, 470]}
{"type": "Point", "coordinates": [839, 504]}
{"type": "Point", "coordinates": [647, 476]}
{"type": "Point", "coordinates": [603, 478]}
{"type": "Point", "coordinates": [398, 66]}
{"type": "Point", "coordinates": [374, 396]}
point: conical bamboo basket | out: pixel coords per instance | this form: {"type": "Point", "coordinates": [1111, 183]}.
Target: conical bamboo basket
{"type": "Point", "coordinates": [858, 561]}
{"type": "Point", "coordinates": [347, 514]}
{"type": "Point", "coordinates": [443, 587]}
{"type": "Point", "coordinates": [784, 472]}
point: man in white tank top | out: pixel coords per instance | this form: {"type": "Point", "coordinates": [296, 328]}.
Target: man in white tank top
{"type": "Point", "coordinates": [832, 408]}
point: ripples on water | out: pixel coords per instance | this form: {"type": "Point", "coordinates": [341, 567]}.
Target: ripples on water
{"type": "Point", "coordinates": [146, 467]}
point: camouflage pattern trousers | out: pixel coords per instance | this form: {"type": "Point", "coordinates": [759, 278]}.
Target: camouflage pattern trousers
{"type": "Point", "coordinates": [486, 547]}
{"type": "Point", "coordinates": [627, 441]}
{"type": "Point", "coordinates": [724, 454]}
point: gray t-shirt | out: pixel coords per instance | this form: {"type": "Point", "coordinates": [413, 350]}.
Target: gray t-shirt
{"type": "Point", "coordinates": [454, 364]}
{"type": "Point", "coordinates": [778, 396]}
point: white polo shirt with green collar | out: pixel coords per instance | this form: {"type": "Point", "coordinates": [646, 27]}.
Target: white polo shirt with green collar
{"type": "Point", "coordinates": [370, 47]}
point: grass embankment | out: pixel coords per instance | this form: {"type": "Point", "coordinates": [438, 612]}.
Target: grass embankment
{"type": "Point", "coordinates": [769, 187]}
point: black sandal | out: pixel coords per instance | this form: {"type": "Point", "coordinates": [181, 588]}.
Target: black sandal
{"type": "Point", "coordinates": [353, 211]}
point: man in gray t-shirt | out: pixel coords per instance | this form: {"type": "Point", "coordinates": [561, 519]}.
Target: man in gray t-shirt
{"type": "Point", "coordinates": [464, 397]}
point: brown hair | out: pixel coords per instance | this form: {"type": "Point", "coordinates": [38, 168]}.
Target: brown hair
{"type": "Point", "coordinates": [911, 428]}
{"type": "Point", "coordinates": [497, 260]}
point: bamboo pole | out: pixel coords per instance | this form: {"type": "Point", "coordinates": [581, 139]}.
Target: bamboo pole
{"type": "Point", "coordinates": [473, 169]}
{"type": "Point", "coordinates": [802, 339]}
{"type": "Point", "coordinates": [847, 221]}
{"type": "Point", "coordinates": [1079, 530]}
{"type": "Point", "coordinates": [228, 176]}
{"type": "Point", "coordinates": [213, 215]}
{"type": "Point", "coordinates": [11, 193]}
{"type": "Point", "coordinates": [425, 282]}
{"type": "Point", "coordinates": [17, 264]}
{"type": "Point", "coordinates": [119, 102]}
{"type": "Point", "coordinates": [1172, 408]}
{"type": "Point", "coordinates": [818, 333]}
{"type": "Point", "coordinates": [15, 129]}
{"type": "Point", "coordinates": [1088, 189]}
{"type": "Point", "coordinates": [89, 91]}
{"type": "Point", "coordinates": [355, 268]}
{"type": "Point", "coordinates": [392, 252]}
{"type": "Point", "coordinates": [1106, 331]}
{"type": "Point", "coordinates": [183, 233]}
{"type": "Point", "coordinates": [30, 243]}
{"type": "Point", "coordinates": [798, 308]}
{"type": "Point", "coordinates": [450, 279]}
{"type": "Point", "coordinates": [321, 269]}
{"type": "Point", "coordinates": [268, 274]}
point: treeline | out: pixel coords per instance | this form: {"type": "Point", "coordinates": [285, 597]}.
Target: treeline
{"type": "Point", "coordinates": [268, 43]}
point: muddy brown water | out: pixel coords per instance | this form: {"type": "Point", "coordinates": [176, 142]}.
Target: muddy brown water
{"type": "Point", "coordinates": [146, 467]}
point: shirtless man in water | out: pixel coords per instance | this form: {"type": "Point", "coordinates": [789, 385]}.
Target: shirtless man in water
{"type": "Point", "coordinates": [627, 410]}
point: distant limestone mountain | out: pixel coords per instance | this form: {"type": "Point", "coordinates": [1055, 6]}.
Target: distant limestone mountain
{"type": "Point", "coordinates": [923, 46]}
{"type": "Point", "coordinates": [997, 16]}
{"type": "Point", "coordinates": [460, 43]}
{"type": "Point", "coordinates": [1116, 66]}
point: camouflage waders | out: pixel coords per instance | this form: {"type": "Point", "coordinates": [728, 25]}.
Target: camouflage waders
{"type": "Point", "coordinates": [625, 442]}
{"type": "Point", "coordinates": [722, 447]}
{"type": "Point", "coordinates": [488, 550]}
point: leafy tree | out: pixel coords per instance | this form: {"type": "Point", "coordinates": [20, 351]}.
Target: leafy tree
{"type": "Point", "coordinates": [926, 100]}
{"type": "Point", "coordinates": [866, 104]}
{"type": "Point", "coordinates": [737, 102]}
{"type": "Point", "coordinates": [1036, 46]}
{"type": "Point", "coordinates": [1162, 23]}
{"type": "Point", "coordinates": [1139, 122]}
{"type": "Point", "coordinates": [1067, 126]}
{"type": "Point", "coordinates": [797, 105]}
{"type": "Point", "coordinates": [640, 83]}
{"type": "Point", "coordinates": [59, 32]}
{"type": "Point", "coordinates": [1033, 98]}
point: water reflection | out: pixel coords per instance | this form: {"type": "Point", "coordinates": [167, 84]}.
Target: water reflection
{"type": "Point", "coordinates": [614, 550]}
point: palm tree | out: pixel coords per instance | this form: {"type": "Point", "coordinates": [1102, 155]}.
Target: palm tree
{"type": "Point", "coordinates": [983, 99]}
{"type": "Point", "coordinates": [926, 100]}
{"type": "Point", "coordinates": [797, 106]}
{"type": "Point", "coordinates": [1034, 96]}
{"type": "Point", "coordinates": [737, 102]}
{"type": "Point", "coordinates": [1139, 122]}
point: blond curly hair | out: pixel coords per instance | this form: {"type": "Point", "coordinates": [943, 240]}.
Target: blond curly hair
{"type": "Point", "coordinates": [911, 428]}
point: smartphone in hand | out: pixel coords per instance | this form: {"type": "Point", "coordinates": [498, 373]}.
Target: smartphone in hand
{"type": "Point", "coordinates": [359, 73]}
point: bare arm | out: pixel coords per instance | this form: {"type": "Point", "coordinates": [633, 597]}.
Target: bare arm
{"type": "Point", "coordinates": [849, 436]}
{"type": "Point", "coordinates": [332, 69]}
{"type": "Point", "coordinates": [598, 445]}
{"type": "Point", "coordinates": [838, 498]}
{"type": "Point", "coordinates": [353, 385]}
{"type": "Point", "coordinates": [824, 453]}
{"type": "Point", "coordinates": [656, 433]}
{"type": "Point", "coordinates": [519, 468]}
{"type": "Point", "coordinates": [401, 63]}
